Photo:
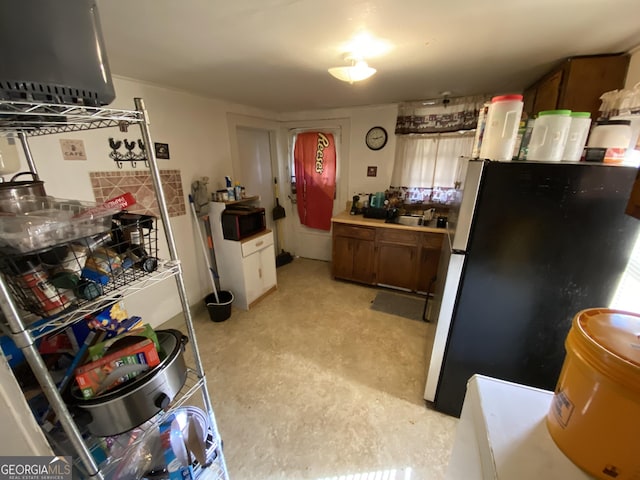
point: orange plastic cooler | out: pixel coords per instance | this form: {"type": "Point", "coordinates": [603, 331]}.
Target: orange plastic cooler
{"type": "Point", "coordinates": [595, 414]}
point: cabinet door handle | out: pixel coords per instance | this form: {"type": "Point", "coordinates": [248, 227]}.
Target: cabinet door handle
{"type": "Point", "coordinates": [259, 244]}
{"type": "Point", "coordinates": [260, 273]}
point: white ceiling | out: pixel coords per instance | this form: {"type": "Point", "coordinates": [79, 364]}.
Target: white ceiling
{"type": "Point", "coordinates": [274, 54]}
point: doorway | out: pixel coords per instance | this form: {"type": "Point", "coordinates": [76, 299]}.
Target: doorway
{"type": "Point", "coordinates": [310, 242]}
{"type": "Point", "coordinates": [253, 167]}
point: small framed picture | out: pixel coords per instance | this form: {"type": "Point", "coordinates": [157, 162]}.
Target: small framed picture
{"type": "Point", "coordinates": [73, 149]}
{"type": "Point", "coordinates": [162, 150]}
{"type": "Point", "coordinates": [372, 171]}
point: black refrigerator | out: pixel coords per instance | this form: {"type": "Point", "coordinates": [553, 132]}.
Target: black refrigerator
{"type": "Point", "coordinates": [530, 245]}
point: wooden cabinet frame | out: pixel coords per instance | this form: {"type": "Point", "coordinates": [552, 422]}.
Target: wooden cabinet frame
{"type": "Point", "coordinates": [577, 83]}
{"type": "Point", "coordinates": [404, 259]}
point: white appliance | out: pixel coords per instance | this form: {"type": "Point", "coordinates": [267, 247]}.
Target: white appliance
{"type": "Point", "coordinates": [502, 435]}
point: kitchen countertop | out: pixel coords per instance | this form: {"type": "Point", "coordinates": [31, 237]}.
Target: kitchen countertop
{"type": "Point", "coordinates": [346, 217]}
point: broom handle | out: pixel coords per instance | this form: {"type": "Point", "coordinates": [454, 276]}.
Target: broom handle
{"type": "Point", "coordinates": [205, 254]}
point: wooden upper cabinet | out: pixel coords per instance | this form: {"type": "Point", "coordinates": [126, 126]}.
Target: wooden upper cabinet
{"type": "Point", "coordinates": [590, 77]}
{"type": "Point", "coordinates": [548, 92]}
{"type": "Point", "coordinates": [529, 98]}
{"type": "Point", "coordinates": [577, 83]}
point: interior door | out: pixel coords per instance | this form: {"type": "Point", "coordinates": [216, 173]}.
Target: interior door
{"type": "Point", "coordinates": [310, 242]}
{"type": "Point", "coordinates": [253, 167]}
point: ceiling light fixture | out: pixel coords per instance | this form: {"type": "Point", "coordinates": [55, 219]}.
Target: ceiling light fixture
{"type": "Point", "coordinates": [357, 71]}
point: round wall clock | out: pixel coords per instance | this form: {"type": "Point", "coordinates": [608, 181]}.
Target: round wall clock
{"type": "Point", "coordinates": [376, 138]}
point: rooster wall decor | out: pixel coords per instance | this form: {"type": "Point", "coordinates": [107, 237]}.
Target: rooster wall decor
{"type": "Point", "coordinates": [130, 155]}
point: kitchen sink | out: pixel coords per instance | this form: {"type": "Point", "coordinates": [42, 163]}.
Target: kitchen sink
{"type": "Point", "coordinates": [413, 221]}
{"type": "Point", "coordinates": [410, 220]}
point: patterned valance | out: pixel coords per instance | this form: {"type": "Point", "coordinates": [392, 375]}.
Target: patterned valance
{"type": "Point", "coordinates": [438, 116]}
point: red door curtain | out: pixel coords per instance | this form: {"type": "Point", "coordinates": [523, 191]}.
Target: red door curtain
{"type": "Point", "coordinates": [315, 165]}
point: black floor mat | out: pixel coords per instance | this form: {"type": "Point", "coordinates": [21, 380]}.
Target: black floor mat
{"type": "Point", "coordinates": [401, 305]}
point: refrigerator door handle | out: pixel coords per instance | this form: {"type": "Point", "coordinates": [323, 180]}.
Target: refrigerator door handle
{"type": "Point", "coordinates": [468, 205]}
{"type": "Point", "coordinates": [445, 314]}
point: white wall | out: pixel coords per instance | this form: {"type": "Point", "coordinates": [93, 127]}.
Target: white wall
{"type": "Point", "coordinates": [200, 137]}
{"type": "Point", "coordinates": [633, 74]}
{"type": "Point", "coordinates": [196, 130]}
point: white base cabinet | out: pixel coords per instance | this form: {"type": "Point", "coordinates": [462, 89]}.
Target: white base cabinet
{"type": "Point", "coordinates": [247, 267]}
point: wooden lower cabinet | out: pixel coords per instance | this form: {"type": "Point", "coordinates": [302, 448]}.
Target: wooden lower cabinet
{"type": "Point", "coordinates": [384, 256]}
{"type": "Point", "coordinates": [430, 248]}
{"type": "Point", "coordinates": [397, 258]}
{"type": "Point", "coordinates": [353, 253]}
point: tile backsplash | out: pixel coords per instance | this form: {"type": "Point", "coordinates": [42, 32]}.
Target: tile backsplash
{"type": "Point", "coordinates": [107, 185]}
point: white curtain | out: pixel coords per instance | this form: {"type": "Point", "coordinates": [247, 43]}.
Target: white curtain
{"type": "Point", "coordinates": [415, 161]}
{"type": "Point", "coordinates": [430, 161]}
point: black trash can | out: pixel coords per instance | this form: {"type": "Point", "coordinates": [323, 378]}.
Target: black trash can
{"type": "Point", "coordinates": [219, 312]}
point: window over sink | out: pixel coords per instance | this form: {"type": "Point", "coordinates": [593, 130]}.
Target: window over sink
{"type": "Point", "coordinates": [429, 168]}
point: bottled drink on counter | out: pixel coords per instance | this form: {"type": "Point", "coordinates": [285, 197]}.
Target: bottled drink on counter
{"type": "Point", "coordinates": [231, 193]}
{"type": "Point", "coordinates": [480, 126]}
{"type": "Point", "coordinates": [549, 135]}
{"type": "Point", "coordinates": [501, 129]}
{"type": "Point", "coordinates": [523, 148]}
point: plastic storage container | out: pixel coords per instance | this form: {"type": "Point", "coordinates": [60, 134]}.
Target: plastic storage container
{"type": "Point", "coordinates": [595, 412]}
{"type": "Point", "coordinates": [613, 136]}
{"type": "Point", "coordinates": [577, 137]}
{"type": "Point", "coordinates": [501, 129]}
{"type": "Point", "coordinates": [549, 135]}
{"type": "Point", "coordinates": [32, 222]}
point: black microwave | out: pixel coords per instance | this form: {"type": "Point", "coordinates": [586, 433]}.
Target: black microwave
{"type": "Point", "coordinates": [241, 221]}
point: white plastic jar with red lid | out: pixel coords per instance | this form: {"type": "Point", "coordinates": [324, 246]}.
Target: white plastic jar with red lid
{"type": "Point", "coordinates": [501, 129]}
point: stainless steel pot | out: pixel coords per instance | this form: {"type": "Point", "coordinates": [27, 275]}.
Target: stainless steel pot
{"type": "Point", "coordinates": [12, 190]}
{"type": "Point", "coordinates": [136, 401]}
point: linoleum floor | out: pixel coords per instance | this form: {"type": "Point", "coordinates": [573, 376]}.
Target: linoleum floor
{"type": "Point", "coordinates": [312, 384]}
